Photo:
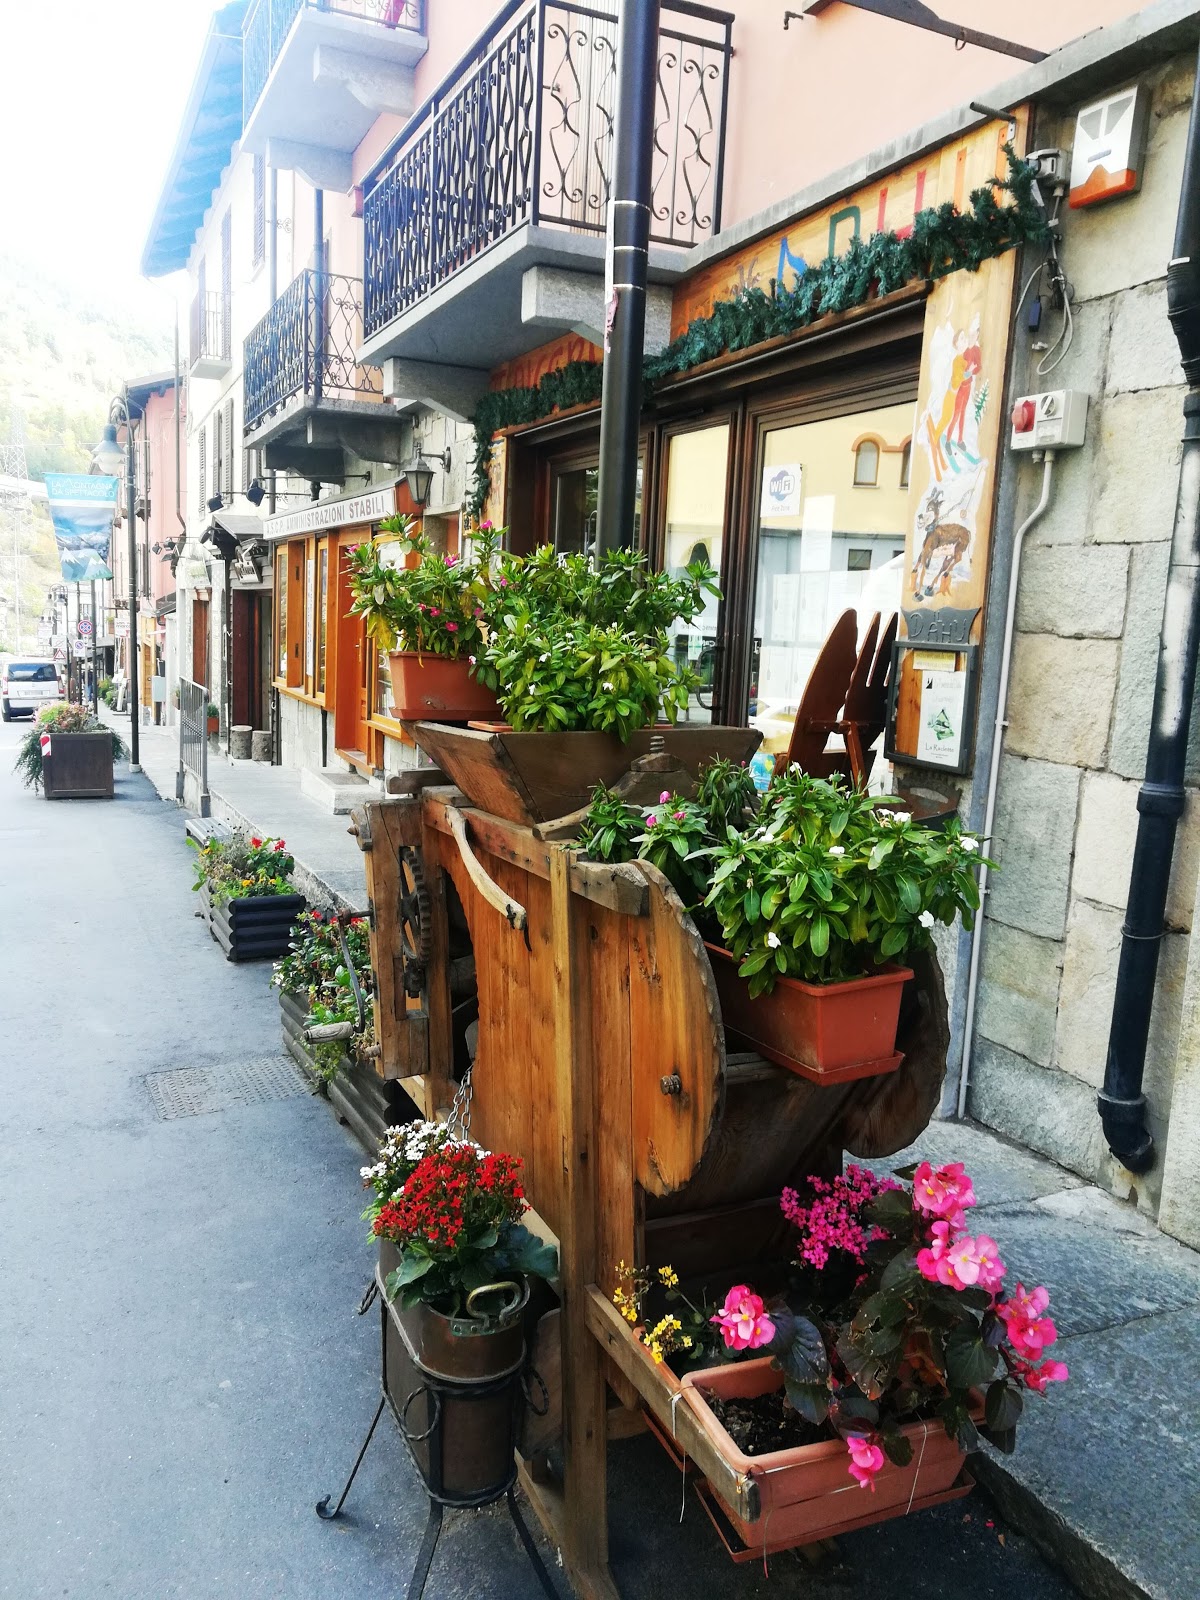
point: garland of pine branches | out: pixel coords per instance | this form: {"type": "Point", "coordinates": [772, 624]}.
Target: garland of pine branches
{"type": "Point", "coordinates": [941, 240]}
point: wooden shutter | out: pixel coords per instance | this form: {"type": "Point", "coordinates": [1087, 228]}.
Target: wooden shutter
{"type": "Point", "coordinates": [260, 210]}
{"type": "Point", "coordinates": [230, 482]}
{"type": "Point", "coordinates": [202, 475]}
{"type": "Point", "coordinates": [227, 285]}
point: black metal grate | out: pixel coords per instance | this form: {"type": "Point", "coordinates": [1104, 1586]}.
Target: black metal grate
{"type": "Point", "coordinates": [199, 1091]}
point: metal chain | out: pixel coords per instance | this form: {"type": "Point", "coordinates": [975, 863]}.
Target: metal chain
{"type": "Point", "coordinates": [459, 1120]}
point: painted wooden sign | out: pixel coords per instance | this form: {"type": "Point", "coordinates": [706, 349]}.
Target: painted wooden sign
{"type": "Point", "coordinates": [527, 371]}
{"type": "Point", "coordinates": [949, 173]}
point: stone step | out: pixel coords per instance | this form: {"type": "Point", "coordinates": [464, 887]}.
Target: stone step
{"type": "Point", "coordinates": [337, 791]}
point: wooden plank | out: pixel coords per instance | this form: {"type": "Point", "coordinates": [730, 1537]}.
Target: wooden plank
{"type": "Point", "coordinates": [400, 1029]}
{"type": "Point", "coordinates": [477, 763]}
{"type": "Point", "coordinates": [485, 883]}
{"type": "Point", "coordinates": [412, 781]}
{"type": "Point", "coordinates": [439, 1079]}
{"type": "Point", "coordinates": [619, 886]}
{"type": "Point", "coordinates": [548, 1503]}
{"type": "Point", "coordinates": [676, 1036]}
{"type": "Point", "coordinates": [584, 1424]}
{"type": "Point", "coordinates": [540, 1002]}
{"type": "Point", "coordinates": [659, 1389]}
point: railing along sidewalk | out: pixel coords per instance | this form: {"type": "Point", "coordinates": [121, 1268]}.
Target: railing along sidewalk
{"type": "Point", "coordinates": [193, 741]}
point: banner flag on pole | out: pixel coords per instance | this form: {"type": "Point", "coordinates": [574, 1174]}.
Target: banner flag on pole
{"type": "Point", "coordinates": [82, 507]}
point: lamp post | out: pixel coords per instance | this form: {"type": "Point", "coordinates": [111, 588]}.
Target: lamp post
{"type": "Point", "coordinates": [108, 456]}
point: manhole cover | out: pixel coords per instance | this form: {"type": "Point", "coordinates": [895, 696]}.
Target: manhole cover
{"type": "Point", "coordinates": [196, 1091]}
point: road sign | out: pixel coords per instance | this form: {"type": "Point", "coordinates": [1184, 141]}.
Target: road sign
{"type": "Point", "coordinates": [84, 627]}
{"type": "Point", "coordinates": [59, 655]}
{"type": "Point", "coordinates": [45, 633]}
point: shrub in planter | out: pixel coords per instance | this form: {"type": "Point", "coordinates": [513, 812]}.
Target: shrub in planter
{"type": "Point", "coordinates": [213, 714]}
{"type": "Point", "coordinates": [897, 1330]}
{"type": "Point", "coordinates": [314, 971]}
{"type": "Point", "coordinates": [61, 719]}
{"type": "Point", "coordinates": [249, 894]}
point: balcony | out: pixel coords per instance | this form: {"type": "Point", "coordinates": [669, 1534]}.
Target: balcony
{"type": "Point", "coordinates": [307, 400]}
{"type": "Point", "coordinates": [211, 336]}
{"type": "Point", "coordinates": [317, 73]}
{"type": "Point", "coordinates": [506, 169]}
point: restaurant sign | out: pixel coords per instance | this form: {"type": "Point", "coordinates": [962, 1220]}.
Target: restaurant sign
{"type": "Point", "coordinates": [322, 515]}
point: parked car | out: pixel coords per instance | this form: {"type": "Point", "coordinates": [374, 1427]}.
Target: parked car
{"type": "Point", "coordinates": [26, 686]}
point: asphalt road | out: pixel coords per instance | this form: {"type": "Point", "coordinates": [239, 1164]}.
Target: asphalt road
{"type": "Point", "coordinates": [182, 1370]}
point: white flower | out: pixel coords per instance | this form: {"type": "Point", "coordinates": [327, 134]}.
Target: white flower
{"type": "Point", "coordinates": [896, 818]}
{"type": "Point", "coordinates": [545, 656]}
{"type": "Point", "coordinates": [837, 850]}
{"type": "Point", "coordinates": [607, 686]}
{"type": "Point", "coordinates": [926, 919]}
{"type": "Point", "coordinates": [773, 941]}
{"type": "Point", "coordinates": [968, 843]}
{"type": "Point", "coordinates": [795, 767]}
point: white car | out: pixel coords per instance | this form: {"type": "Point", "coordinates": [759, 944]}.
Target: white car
{"type": "Point", "coordinates": [27, 686]}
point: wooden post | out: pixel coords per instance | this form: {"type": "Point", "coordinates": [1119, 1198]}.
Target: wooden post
{"type": "Point", "coordinates": [585, 1479]}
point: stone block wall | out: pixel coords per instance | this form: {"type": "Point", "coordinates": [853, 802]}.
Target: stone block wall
{"type": "Point", "coordinates": [1093, 583]}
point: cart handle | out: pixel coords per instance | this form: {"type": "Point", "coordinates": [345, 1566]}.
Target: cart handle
{"type": "Point", "coordinates": [513, 913]}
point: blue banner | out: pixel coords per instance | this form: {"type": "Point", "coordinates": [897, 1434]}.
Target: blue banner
{"type": "Point", "coordinates": [82, 506]}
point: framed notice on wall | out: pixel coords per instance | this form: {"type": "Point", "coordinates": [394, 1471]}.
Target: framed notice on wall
{"type": "Point", "coordinates": [931, 705]}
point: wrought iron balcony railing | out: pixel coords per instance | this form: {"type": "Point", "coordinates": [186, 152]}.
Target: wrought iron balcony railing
{"type": "Point", "coordinates": [211, 328]}
{"type": "Point", "coordinates": [522, 131]}
{"type": "Point", "coordinates": [304, 347]}
{"type": "Point", "coordinates": [270, 21]}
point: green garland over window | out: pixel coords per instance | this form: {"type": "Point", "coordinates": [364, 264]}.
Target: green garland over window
{"type": "Point", "coordinates": [941, 240]}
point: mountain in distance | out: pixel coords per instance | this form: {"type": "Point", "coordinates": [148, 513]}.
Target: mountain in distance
{"type": "Point", "coordinates": [64, 353]}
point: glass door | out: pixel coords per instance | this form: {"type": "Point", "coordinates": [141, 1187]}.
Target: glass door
{"type": "Point", "coordinates": [697, 474]}
{"type": "Point", "coordinates": [574, 495]}
{"type": "Point", "coordinates": [830, 512]}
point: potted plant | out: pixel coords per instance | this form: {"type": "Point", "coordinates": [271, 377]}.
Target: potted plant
{"type": "Point", "coordinates": [807, 905]}
{"type": "Point", "coordinates": [428, 617]}
{"type": "Point", "coordinates": [246, 889]}
{"type": "Point", "coordinates": [895, 1347]}
{"type": "Point", "coordinates": [455, 1257]}
{"type": "Point", "coordinates": [213, 714]}
{"type": "Point", "coordinates": [69, 754]}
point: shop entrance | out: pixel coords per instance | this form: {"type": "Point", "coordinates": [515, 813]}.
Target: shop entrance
{"type": "Point", "coordinates": [246, 678]}
{"type": "Point", "coordinates": [352, 707]}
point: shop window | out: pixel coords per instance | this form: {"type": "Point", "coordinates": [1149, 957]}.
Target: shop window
{"type": "Point", "coordinates": [820, 551]}
{"type": "Point", "coordinates": [574, 497]}
{"type": "Point", "coordinates": [697, 467]}
{"type": "Point", "coordinates": [322, 614]}
{"type": "Point", "coordinates": [866, 464]}
{"type": "Point", "coordinates": [310, 618]}
{"type": "Point", "coordinates": [905, 463]}
{"type": "Point", "coordinates": [381, 702]}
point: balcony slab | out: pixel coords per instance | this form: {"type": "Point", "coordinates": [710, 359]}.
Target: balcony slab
{"type": "Point", "coordinates": [475, 319]}
{"type": "Point", "coordinates": [334, 75]}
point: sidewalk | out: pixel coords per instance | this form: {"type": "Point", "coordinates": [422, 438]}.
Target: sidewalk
{"type": "Point", "coordinates": [1106, 1475]}
{"type": "Point", "coordinates": [261, 799]}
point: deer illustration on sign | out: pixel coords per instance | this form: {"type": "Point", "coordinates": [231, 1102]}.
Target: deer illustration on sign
{"type": "Point", "coordinates": [949, 435]}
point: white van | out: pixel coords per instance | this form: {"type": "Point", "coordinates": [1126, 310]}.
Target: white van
{"type": "Point", "coordinates": [27, 686]}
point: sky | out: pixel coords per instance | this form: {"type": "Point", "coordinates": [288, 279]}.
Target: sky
{"type": "Point", "coordinates": [89, 113]}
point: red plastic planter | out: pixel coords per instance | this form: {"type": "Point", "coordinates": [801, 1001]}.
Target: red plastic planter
{"type": "Point", "coordinates": [807, 1493]}
{"type": "Point", "coordinates": [436, 689]}
{"type": "Point", "coordinates": [827, 1032]}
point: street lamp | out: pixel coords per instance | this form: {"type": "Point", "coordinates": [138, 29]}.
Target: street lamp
{"type": "Point", "coordinates": [107, 456]}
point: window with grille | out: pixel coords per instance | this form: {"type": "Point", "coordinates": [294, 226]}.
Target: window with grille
{"type": "Point", "coordinates": [260, 210]}
{"type": "Point", "coordinates": [202, 475]}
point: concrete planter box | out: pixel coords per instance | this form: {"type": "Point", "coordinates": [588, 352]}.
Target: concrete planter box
{"type": "Point", "coordinates": [79, 767]}
{"type": "Point", "coordinates": [254, 929]}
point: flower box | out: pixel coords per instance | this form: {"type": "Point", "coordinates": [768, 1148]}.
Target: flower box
{"type": "Point", "coordinates": [437, 688]}
{"type": "Point", "coordinates": [255, 928]}
{"type": "Point", "coordinates": [79, 767]}
{"type": "Point", "coordinates": [806, 1493]}
{"type": "Point", "coordinates": [829, 1033]}
{"type": "Point", "coordinates": [362, 1100]}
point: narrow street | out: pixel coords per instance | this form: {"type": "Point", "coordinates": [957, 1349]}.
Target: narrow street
{"type": "Point", "coordinates": [183, 1371]}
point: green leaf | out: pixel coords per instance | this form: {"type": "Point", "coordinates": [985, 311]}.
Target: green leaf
{"type": "Point", "coordinates": [799, 1348]}
{"type": "Point", "coordinates": [897, 1447]}
{"type": "Point", "coordinates": [811, 1400]}
{"type": "Point", "coordinates": [1003, 1406]}
{"type": "Point", "coordinates": [969, 1363]}
{"type": "Point", "coordinates": [818, 939]}
{"type": "Point", "coordinates": [910, 895]}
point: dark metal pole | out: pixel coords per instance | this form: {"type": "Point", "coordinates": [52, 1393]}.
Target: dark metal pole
{"type": "Point", "coordinates": [95, 673]}
{"type": "Point", "coordinates": [628, 254]}
{"type": "Point", "coordinates": [135, 764]}
{"type": "Point", "coordinates": [1121, 1103]}
{"type": "Point", "coordinates": [79, 659]}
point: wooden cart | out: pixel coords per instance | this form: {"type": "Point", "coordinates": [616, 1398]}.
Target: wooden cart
{"type": "Point", "coordinates": [600, 1058]}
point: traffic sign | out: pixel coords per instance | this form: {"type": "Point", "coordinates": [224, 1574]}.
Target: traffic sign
{"type": "Point", "coordinates": [84, 627]}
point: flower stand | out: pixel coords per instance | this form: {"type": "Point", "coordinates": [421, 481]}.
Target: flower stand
{"type": "Point", "coordinates": [460, 1430]}
{"type": "Point", "coordinates": [601, 1059]}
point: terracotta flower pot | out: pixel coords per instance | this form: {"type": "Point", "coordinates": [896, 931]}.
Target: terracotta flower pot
{"type": "Point", "coordinates": [214, 725]}
{"type": "Point", "coordinates": [826, 1032]}
{"type": "Point", "coordinates": [807, 1493]}
{"type": "Point", "coordinates": [436, 689]}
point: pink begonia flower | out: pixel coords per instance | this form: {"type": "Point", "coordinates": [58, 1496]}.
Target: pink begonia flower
{"type": "Point", "coordinates": [945, 1193]}
{"type": "Point", "coordinates": [933, 1262]}
{"type": "Point", "coordinates": [866, 1460]}
{"type": "Point", "coordinates": [664, 797]}
{"type": "Point", "coordinates": [742, 1321]}
{"type": "Point", "coordinates": [1037, 1378]}
{"type": "Point", "coordinates": [991, 1268]}
{"type": "Point", "coordinates": [1028, 1331]}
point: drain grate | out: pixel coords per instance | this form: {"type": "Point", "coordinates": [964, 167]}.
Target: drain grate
{"type": "Point", "coordinates": [197, 1091]}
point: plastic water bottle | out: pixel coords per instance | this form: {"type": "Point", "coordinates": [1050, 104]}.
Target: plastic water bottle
{"type": "Point", "coordinates": [762, 770]}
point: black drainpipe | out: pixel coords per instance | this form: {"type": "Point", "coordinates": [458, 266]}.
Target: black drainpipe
{"type": "Point", "coordinates": [1121, 1102]}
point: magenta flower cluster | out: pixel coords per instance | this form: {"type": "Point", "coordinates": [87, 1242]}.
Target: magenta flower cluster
{"type": "Point", "coordinates": [834, 1219]}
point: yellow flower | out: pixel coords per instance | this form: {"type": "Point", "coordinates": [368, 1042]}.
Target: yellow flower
{"type": "Point", "coordinates": [629, 1313]}
{"type": "Point", "coordinates": [668, 1277]}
